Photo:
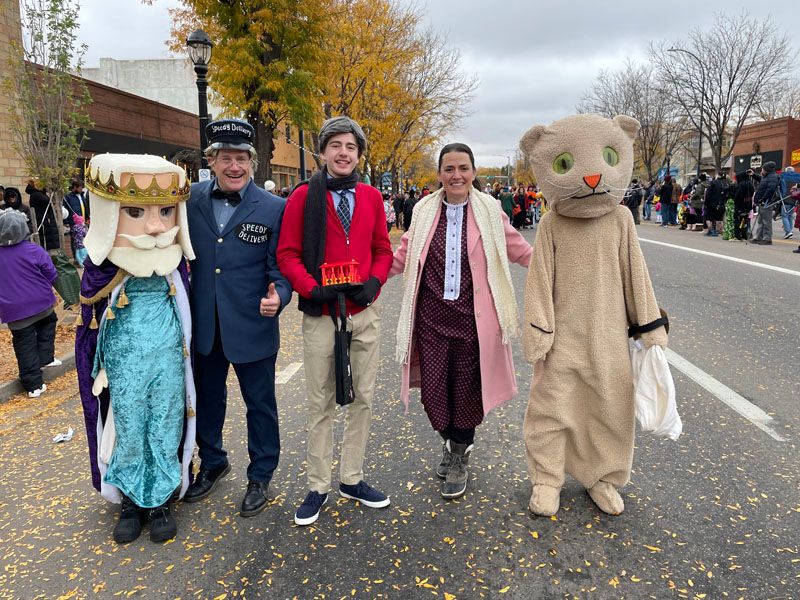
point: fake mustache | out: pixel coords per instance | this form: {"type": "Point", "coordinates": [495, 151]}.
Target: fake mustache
{"type": "Point", "coordinates": [148, 242]}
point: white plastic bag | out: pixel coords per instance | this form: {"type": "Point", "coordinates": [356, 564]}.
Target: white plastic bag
{"type": "Point", "coordinates": [656, 410]}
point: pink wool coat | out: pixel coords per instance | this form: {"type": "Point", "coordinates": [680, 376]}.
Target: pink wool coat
{"type": "Point", "coordinates": [498, 380]}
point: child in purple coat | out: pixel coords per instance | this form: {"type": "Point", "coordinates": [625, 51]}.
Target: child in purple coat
{"type": "Point", "coordinates": [27, 300]}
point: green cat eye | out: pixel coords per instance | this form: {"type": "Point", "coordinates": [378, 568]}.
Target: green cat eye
{"type": "Point", "coordinates": [563, 163]}
{"type": "Point", "coordinates": [610, 156]}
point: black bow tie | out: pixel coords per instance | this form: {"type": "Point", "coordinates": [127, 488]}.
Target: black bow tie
{"type": "Point", "coordinates": [233, 198]}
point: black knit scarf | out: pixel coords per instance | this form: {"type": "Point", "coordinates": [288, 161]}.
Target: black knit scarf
{"type": "Point", "coordinates": [315, 221]}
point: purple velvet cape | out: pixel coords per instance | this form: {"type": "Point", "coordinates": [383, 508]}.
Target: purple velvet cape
{"type": "Point", "coordinates": [94, 279]}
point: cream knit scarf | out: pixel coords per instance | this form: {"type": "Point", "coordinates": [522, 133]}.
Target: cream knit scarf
{"type": "Point", "coordinates": [488, 217]}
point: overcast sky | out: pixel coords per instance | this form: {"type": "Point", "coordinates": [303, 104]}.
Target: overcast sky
{"type": "Point", "coordinates": [533, 59]}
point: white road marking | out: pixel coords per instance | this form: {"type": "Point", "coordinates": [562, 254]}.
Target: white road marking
{"type": "Point", "coordinates": [722, 256]}
{"type": "Point", "coordinates": [284, 375]}
{"type": "Point", "coordinates": [742, 406]}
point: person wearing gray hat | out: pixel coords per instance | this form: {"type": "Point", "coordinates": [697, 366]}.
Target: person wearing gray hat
{"type": "Point", "coordinates": [27, 300]}
{"type": "Point", "coordinates": [335, 222]}
{"type": "Point", "coordinates": [338, 125]}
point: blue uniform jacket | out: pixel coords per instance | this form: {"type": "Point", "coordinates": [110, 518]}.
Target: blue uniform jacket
{"type": "Point", "coordinates": [232, 271]}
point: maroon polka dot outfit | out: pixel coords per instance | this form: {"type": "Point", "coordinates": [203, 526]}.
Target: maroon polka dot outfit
{"type": "Point", "coordinates": [447, 340]}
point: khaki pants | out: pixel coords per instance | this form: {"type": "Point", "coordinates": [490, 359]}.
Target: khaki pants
{"type": "Point", "coordinates": [321, 390]}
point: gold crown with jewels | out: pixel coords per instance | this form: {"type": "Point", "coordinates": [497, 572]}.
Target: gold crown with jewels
{"type": "Point", "coordinates": [100, 179]}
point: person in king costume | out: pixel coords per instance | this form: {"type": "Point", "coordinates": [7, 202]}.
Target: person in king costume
{"type": "Point", "coordinates": [133, 335]}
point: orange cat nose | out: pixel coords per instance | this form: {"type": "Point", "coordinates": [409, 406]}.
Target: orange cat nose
{"type": "Point", "coordinates": [593, 180]}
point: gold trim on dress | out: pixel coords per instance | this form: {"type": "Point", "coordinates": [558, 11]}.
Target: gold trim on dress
{"type": "Point", "coordinates": [106, 290]}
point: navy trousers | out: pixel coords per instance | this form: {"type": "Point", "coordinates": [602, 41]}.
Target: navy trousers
{"type": "Point", "coordinates": [34, 347]}
{"type": "Point", "coordinates": [257, 383]}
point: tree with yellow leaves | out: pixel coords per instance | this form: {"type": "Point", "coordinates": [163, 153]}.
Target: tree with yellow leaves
{"type": "Point", "coordinates": [268, 60]}
{"type": "Point", "coordinates": [304, 61]}
{"type": "Point", "coordinates": [404, 86]}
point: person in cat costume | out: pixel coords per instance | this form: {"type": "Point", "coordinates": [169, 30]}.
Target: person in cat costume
{"type": "Point", "coordinates": [133, 339]}
{"type": "Point", "coordinates": [587, 285]}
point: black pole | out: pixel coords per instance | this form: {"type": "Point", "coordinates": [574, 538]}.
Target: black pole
{"type": "Point", "coordinates": [702, 104]}
{"type": "Point", "coordinates": [301, 142]}
{"type": "Point", "coordinates": [202, 86]}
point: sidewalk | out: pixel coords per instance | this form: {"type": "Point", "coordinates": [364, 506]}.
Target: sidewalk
{"type": "Point", "coordinates": [65, 352]}
{"type": "Point", "coordinates": [777, 233]}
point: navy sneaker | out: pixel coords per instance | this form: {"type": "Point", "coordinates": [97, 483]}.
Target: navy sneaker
{"type": "Point", "coordinates": [309, 509]}
{"type": "Point", "coordinates": [368, 496]}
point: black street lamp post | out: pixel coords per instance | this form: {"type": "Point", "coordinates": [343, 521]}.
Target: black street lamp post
{"type": "Point", "coordinates": [702, 101]}
{"type": "Point", "coordinates": [200, 46]}
{"type": "Point", "coordinates": [302, 142]}
{"type": "Point", "coordinates": [669, 156]}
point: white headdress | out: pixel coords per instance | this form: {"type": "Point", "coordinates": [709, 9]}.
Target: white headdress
{"type": "Point", "coordinates": [114, 179]}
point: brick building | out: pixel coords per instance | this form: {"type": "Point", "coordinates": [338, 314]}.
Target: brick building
{"type": "Point", "coordinates": [777, 140]}
{"type": "Point", "coordinates": [172, 81]}
{"type": "Point", "coordinates": [130, 123]}
{"type": "Point", "coordinates": [12, 167]}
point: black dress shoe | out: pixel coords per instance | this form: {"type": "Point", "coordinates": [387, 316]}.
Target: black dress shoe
{"type": "Point", "coordinates": [255, 499]}
{"type": "Point", "coordinates": [129, 526]}
{"type": "Point", "coordinates": [162, 524]}
{"type": "Point", "coordinates": [205, 482]}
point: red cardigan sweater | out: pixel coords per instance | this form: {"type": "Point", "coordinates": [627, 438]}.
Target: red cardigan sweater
{"type": "Point", "coordinates": [368, 242]}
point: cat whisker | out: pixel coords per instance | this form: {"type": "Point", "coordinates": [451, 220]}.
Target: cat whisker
{"type": "Point", "coordinates": [563, 187]}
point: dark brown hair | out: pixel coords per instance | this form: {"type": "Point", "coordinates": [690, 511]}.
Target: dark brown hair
{"type": "Point", "coordinates": [457, 147]}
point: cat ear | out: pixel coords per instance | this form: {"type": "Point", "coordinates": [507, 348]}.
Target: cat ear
{"type": "Point", "coordinates": [628, 124]}
{"type": "Point", "coordinates": [528, 141]}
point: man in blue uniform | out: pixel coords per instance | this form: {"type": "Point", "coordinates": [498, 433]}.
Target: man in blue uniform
{"type": "Point", "coordinates": [237, 293]}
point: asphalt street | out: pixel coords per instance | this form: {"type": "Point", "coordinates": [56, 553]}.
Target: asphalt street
{"type": "Point", "coordinates": [715, 514]}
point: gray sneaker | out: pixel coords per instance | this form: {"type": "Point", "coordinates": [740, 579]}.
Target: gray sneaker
{"type": "Point", "coordinates": [455, 484]}
{"type": "Point", "coordinates": [444, 465]}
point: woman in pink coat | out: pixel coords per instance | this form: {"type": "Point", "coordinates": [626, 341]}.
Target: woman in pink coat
{"type": "Point", "coordinates": [459, 310]}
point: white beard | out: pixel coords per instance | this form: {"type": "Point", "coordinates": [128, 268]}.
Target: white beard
{"type": "Point", "coordinates": [143, 263]}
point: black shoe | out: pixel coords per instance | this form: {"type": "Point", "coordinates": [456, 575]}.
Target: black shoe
{"type": "Point", "coordinates": [255, 499]}
{"type": "Point", "coordinates": [129, 526]}
{"type": "Point", "coordinates": [455, 484]}
{"type": "Point", "coordinates": [444, 465]}
{"type": "Point", "coordinates": [205, 482]}
{"type": "Point", "coordinates": [797, 251]}
{"type": "Point", "coordinates": [162, 524]}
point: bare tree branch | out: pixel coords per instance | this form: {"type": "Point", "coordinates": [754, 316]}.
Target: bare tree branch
{"type": "Point", "coordinates": [635, 91]}
{"type": "Point", "coordinates": [718, 76]}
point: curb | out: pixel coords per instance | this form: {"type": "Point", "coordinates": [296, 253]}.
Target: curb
{"type": "Point", "coordinates": [14, 387]}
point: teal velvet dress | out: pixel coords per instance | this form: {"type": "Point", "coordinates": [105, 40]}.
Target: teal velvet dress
{"type": "Point", "coordinates": [141, 350]}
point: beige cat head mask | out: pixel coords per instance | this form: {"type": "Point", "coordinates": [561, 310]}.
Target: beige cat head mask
{"type": "Point", "coordinates": [582, 163]}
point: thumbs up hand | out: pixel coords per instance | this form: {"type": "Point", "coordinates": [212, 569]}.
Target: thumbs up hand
{"type": "Point", "coordinates": [271, 303]}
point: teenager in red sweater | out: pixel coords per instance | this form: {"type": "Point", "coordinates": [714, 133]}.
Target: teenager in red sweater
{"type": "Point", "coordinates": [334, 218]}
